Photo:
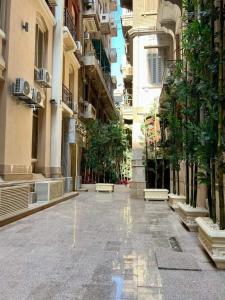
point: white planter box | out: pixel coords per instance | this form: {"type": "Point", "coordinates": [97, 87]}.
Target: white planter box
{"type": "Point", "coordinates": [213, 240]}
{"type": "Point", "coordinates": [156, 194]}
{"type": "Point", "coordinates": [104, 187]}
{"type": "Point", "coordinates": [175, 199]}
{"type": "Point", "coordinates": [188, 214]}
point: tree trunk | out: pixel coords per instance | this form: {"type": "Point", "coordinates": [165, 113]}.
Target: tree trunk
{"type": "Point", "coordinates": [192, 184]}
{"type": "Point", "coordinates": [195, 185]}
{"type": "Point", "coordinates": [178, 182]}
{"type": "Point", "coordinates": [213, 189]}
{"type": "Point", "coordinates": [174, 181]}
{"type": "Point", "coordinates": [163, 173]}
{"type": "Point", "coordinates": [187, 182]}
{"type": "Point", "coordinates": [156, 173]}
{"type": "Point", "coordinates": [209, 190]}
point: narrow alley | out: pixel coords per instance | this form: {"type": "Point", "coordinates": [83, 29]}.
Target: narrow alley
{"type": "Point", "coordinates": [101, 246]}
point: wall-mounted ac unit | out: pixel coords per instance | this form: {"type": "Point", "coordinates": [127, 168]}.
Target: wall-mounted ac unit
{"type": "Point", "coordinates": [86, 35]}
{"type": "Point", "coordinates": [37, 98]}
{"type": "Point", "coordinates": [79, 47]}
{"type": "Point", "coordinates": [44, 78]}
{"type": "Point", "coordinates": [21, 89]}
{"type": "Point", "coordinates": [89, 111]}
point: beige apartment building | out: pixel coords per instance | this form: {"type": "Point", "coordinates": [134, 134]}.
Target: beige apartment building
{"type": "Point", "coordinates": [55, 73]}
{"type": "Point", "coordinates": [148, 46]}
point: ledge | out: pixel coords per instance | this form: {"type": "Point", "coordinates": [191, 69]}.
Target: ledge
{"type": "Point", "coordinates": [34, 209]}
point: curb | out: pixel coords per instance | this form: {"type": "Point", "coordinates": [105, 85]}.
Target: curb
{"type": "Point", "coordinates": [32, 210]}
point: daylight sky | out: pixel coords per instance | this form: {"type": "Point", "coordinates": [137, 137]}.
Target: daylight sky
{"type": "Point", "coordinates": [118, 43]}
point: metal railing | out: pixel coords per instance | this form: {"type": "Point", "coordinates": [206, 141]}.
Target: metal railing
{"type": "Point", "coordinates": [67, 96]}
{"type": "Point", "coordinates": [69, 23]}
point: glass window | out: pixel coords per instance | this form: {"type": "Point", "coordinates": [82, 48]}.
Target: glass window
{"type": "Point", "coordinates": [40, 47]}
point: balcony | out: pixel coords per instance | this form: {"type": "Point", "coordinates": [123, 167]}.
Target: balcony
{"type": "Point", "coordinates": [127, 20]}
{"type": "Point", "coordinates": [126, 4]}
{"type": "Point", "coordinates": [113, 5]}
{"type": "Point", "coordinates": [114, 82]}
{"type": "Point", "coordinates": [67, 97]}
{"type": "Point", "coordinates": [112, 55]}
{"type": "Point", "coordinates": [127, 72]}
{"type": "Point", "coordinates": [101, 77]}
{"type": "Point", "coordinates": [69, 32]}
{"type": "Point", "coordinates": [113, 29]}
{"type": "Point", "coordinates": [89, 112]}
{"type": "Point", "coordinates": [127, 108]}
{"type": "Point", "coordinates": [105, 23]}
{"type": "Point", "coordinates": [91, 16]}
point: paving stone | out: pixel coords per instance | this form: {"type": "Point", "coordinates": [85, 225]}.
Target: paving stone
{"type": "Point", "coordinates": [183, 285]}
{"type": "Point", "coordinates": [149, 294]}
{"type": "Point", "coordinates": [102, 247]}
{"type": "Point", "coordinates": [168, 259]}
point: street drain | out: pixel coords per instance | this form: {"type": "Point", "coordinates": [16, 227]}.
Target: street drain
{"type": "Point", "coordinates": [174, 244]}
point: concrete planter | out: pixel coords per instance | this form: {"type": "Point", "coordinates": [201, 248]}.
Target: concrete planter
{"type": "Point", "coordinates": [188, 214]}
{"type": "Point", "coordinates": [156, 194]}
{"type": "Point", "coordinates": [175, 199]}
{"type": "Point", "coordinates": [213, 240]}
{"type": "Point", "coordinates": [104, 187]}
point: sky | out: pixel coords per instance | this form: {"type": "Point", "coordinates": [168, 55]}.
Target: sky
{"type": "Point", "coordinates": [118, 43]}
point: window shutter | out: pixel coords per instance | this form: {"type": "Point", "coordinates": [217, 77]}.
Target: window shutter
{"type": "Point", "coordinates": [156, 65]}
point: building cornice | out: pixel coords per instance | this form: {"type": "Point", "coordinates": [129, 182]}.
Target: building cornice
{"type": "Point", "coordinates": [48, 12]}
{"type": "Point", "coordinates": [137, 31]}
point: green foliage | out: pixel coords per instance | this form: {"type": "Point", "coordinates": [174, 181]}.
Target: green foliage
{"type": "Point", "coordinates": [106, 146]}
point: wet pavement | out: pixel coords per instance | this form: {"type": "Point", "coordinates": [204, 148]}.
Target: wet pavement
{"type": "Point", "coordinates": [101, 246]}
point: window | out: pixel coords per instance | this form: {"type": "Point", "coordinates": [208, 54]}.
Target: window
{"type": "Point", "coordinates": [2, 14]}
{"type": "Point", "coordinates": [40, 47]}
{"type": "Point", "coordinates": [156, 66]}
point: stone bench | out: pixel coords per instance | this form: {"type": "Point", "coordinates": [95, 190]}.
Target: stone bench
{"type": "Point", "coordinates": [104, 187]}
{"type": "Point", "coordinates": [156, 194]}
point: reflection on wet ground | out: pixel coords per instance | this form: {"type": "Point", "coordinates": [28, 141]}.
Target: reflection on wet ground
{"type": "Point", "coordinates": [94, 247]}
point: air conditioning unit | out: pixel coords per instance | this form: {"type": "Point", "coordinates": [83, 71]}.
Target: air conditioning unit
{"type": "Point", "coordinates": [86, 35]}
{"type": "Point", "coordinates": [88, 4]}
{"type": "Point", "coordinates": [44, 78]}
{"type": "Point", "coordinates": [89, 111]}
{"type": "Point", "coordinates": [79, 47]}
{"type": "Point", "coordinates": [37, 98]}
{"type": "Point", "coordinates": [21, 89]}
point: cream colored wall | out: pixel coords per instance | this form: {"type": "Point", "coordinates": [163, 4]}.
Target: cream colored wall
{"type": "Point", "coordinates": [20, 63]}
{"type": "Point", "coordinates": [145, 16]}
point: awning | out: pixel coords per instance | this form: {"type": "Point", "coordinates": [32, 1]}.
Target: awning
{"type": "Point", "coordinates": [101, 54]}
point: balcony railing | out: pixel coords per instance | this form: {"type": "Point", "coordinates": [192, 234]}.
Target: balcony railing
{"type": "Point", "coordinates": [67, 97]}
{"type": "Point", "coordinates": [69, 23]}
